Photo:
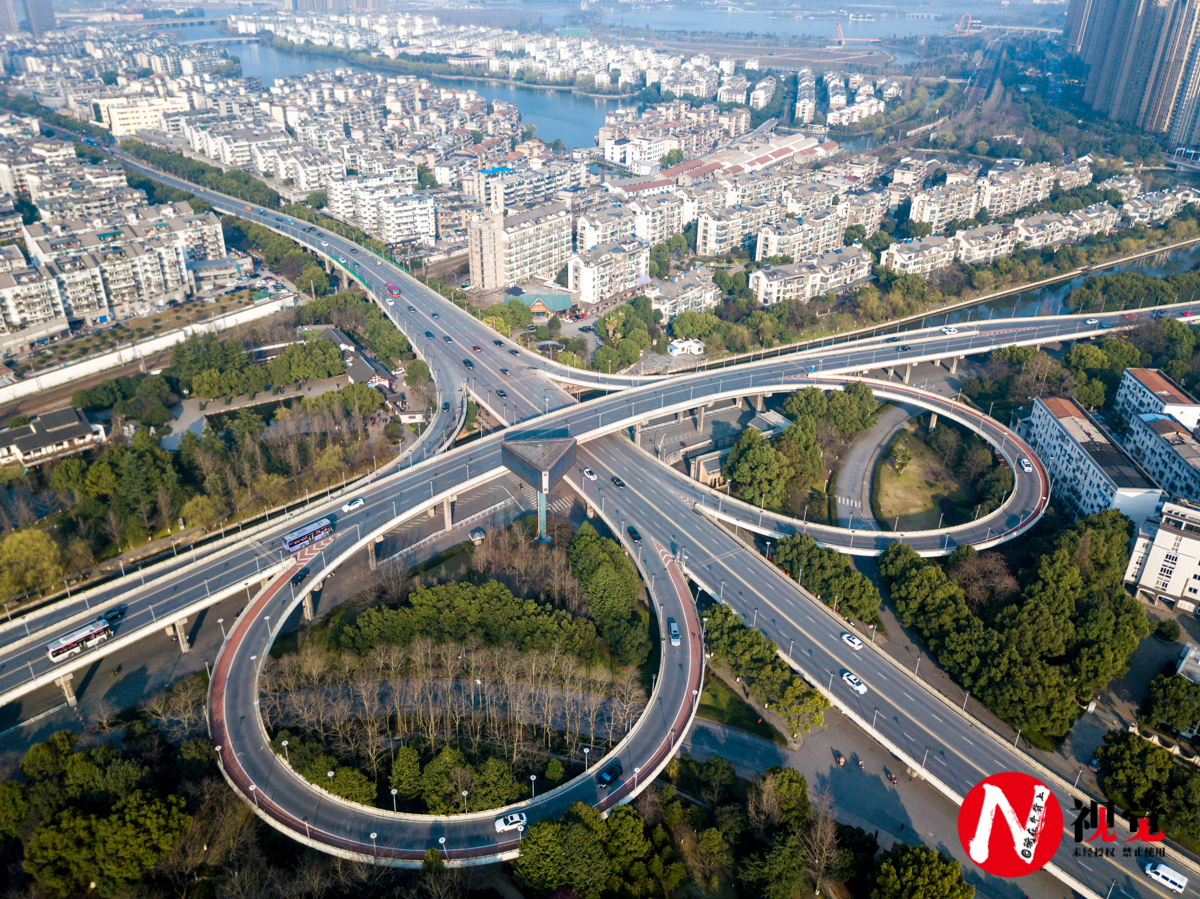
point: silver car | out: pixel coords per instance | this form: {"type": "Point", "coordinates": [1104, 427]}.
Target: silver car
{"type": "Point", "coordinates": [515, 821]}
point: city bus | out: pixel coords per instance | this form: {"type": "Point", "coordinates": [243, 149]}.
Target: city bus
{"type": "Point", "coordinates": [78, 640]}
{"type": "Point", "coordinates": [310, 533]}
{"type": "Point", "coordinates": [392, 290]}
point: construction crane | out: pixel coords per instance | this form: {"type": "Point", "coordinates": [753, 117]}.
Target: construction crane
{"type": "Point", "coordinates": [843, 40]}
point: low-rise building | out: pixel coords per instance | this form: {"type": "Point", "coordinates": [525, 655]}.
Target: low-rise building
{"type": "Point", "coordinates": [51, 435]}
{"type": "Point", "coordinates": [940, 207]}
{"type": "Point", "coordinates": [985, 243]}
{"type": "Point", "coordinates": [1088, 471]}
{"type": "Point", "coordinates": [801, 238]}
{"type": "Point", "coordinates": [1165, 563]}
{"type": "Point", "coordinates": [921, 256]}
{"type": "Point", "coordinates": [763, 93]}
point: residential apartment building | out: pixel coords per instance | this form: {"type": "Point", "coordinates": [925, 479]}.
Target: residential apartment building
{"type": "Point", "coordinates": [1165, 563]}
{"type": "Point", "coordinates": [691, 291]}
{"type": "Point", "coordinates": [985, 243]}
{"type": "Point", "coordinates": [763, 93]}
{"type": "Point", "coordinates": [531, 245]}
{"type": "Point", "coordinates": [1089, 473]}
{"type": "Point", "coordinates": [30, 297]}
{"type": "Point", "coordinates": [733, 90]}
{"type": "Point", "coordinates": [922, 256]}
{"type": "Point", "coordinates": [1147, 209]}
{"type": "Point", "coordinates": [610, 224]}
{"type": "Point", "coordinates": [613, 271]}
{"type": "Point", "coordinates": [382, 206]}
{"type": "Point", "coordinates": [940, 207]}
{"type": "Point", "coordinates": [806, 96]}
{"type": "Point", "coordinates": [1148, 390]}
{"type": "Point", "coordinates": [733, 227]}
{"type": "Point", "coordinates": [127, 115]}
{"type": "Point", "coordinates": [830, 272]}
{"type": "Point", "coordinates": [502, 187]}
{"type": "Point", "coordinates": [801, 238]}
{"type": "Point", "coordinates": [657, 219]}
{"type": "Point", "coordinates": [1168, 452]}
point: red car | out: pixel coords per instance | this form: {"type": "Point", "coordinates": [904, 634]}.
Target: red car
{"type": "Point", "coordinates": [477, 349]}
{"type": "Point", "coordinates": [1188, 314]}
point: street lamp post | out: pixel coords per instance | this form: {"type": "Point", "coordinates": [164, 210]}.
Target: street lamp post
{"type": "Point", "coordinates": [221, 622]}
{"type": "Point", "coordinates": [635, 777]}
{"type": "Point", "coordinates": [394, 791]}
{"type": "Point", "coordinates": [965, 698]}
{"type": "Point", "coordinates": [442, 842]}
{"type": "Point", "coordinates": [586, 750]}
{"type": "Point", "coordinates": [533, 786]}
{"type": "Point", "coordinates": [286, 755]}
{"type": "Point", "coordinates": [1078, 775]}
{"type": "Point", "coordinates": [873, 717]}
{"type": "Point", "coordinates": [923, 759]}
{"type": "Point", "coordinates": [254, 793]}
{"type": "Point", "coordinates": [374, 845]}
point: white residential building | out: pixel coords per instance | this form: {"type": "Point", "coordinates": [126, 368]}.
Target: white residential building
{"type": "Point", "coordinates": [763, 93]}
{"type": "Point", "coordinates": [920, 257]}
{"type": "Point", "coordinates": [657, 219]}
{"type": "Point", "coordinates": [1145, 390]}
{"type": "Point", "coordinates": [691, 291]}
{"type": "Point", "coordinates": [1168, 451]}
{"type": "Point", "coordinates": [828, 273]}
{"type": "Point", "coordinates": [507, 250]}
{"type": "Point", "coordinates": [1165, 562]}
{"type": "Point", "coordinates": [1089, 473]}
{"type": "Point", "coordinates": [801, 238]}
{"type": "Point", "coordinates": [609, 271]}
{"type": "Point", "coordinates": [731, 227]}
{"type": "Point", "coordinates": [940, 207]}
{"type": "Point", "coordinates": [985, 243]}
{"type": "Point", "coordinates": [608, 224]}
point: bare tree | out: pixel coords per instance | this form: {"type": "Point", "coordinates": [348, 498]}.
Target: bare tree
{"type": "Point", "coordinates": [819, 839]}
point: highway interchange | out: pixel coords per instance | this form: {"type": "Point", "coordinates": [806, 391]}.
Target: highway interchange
{"type": "Point", "coordinates": [661, 504]}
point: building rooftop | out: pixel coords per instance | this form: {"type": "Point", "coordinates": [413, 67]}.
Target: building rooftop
{"type": "Point", "coordinates": [1162, 386]}
{"type": "Point", "coordinates": [1180, 439]}
{"type": "Point", "coordinates": [1084, 430]}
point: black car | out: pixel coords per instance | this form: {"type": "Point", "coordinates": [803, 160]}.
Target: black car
{"type": "Point", "coordinates": [891, 340]}
{"type": "Point", "coordinates": [586, 329]}
{"type": "Point", "coordinates": [502, 394]}
{"type": "Point", "coordinates": [412, 308]}
{"type": "Point", "coordinates": [448, 339]}
{"type": "Point", "coordinates": [634, 535]}
{"type": "Point", "coordinates": [299, 576]}
{"type": "Point", "coordinates": [115, 614]}
{"type": "Point", "coordinates": [620, 485]}
{"type": "Point", "coordinates": [498, 342]}
{"type": "Point", "coordinates": [445, 407]}
{"type": "Point", "coordinates": [505, 372]}
{"type": "Point", "coordinates": [609, 775]}
{"type": "Point", "coordinates": [429, 335]}
{"type": "Point", "coordinates": [514, 353]}
{"type": "Point", "coordinates": [905, 348]}
{"type": "Point", "coordinates": [467, 363]}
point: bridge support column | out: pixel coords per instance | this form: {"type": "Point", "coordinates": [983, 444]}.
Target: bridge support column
{"type": "Point", "coordinates": [328, 265]}
{"type": "Point", "coordinates": [907, 372]}
{"type": "Point", "coordinates": [637, 433]}
{"type": "Point", "coordinates": [64, 683]}
{"type": "Point", "coordinates": [591, 511]}
{"type": "Point", "coordinates": [446, 503]}
{"type": "Point", "coordinates": [184, 646]}
{"type": "Point", "coordinates": [308, 606]}
{"type": "Point", "coordinates": [371, 565]}
{"type": "Point", "coordinates": [679, 417]}
{"type": "Point", "coordinates": [759, 405]}
{"type": "Point", "coordinates": [954, 365]}
{"type": "Point", "coordinates": [700, 418]}
{"type": "Point", "coordinates": [932, 420]}
{"type": "Point", "coordinates": [541, 515]}
{"type": "Point", "coordinates": [890, 372]}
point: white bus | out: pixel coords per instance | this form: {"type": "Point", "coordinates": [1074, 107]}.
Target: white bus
{"type": "Point", "coordinates": [78, 640]}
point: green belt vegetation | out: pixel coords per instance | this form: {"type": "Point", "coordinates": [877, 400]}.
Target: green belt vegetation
{"type": "Point", "coordinates": [1037, 655]}
{"type": "Point", "coordinates": [235, 182]}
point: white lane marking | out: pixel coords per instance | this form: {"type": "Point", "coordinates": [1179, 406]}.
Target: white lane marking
{"type": "Point", "coordinates": [908, 696]}
{"type": "Point", "coordinates": [937, 719]}
{"type": "Point", "coordinates": [906, 735]}
{"type": "Point", "coordinates": [940, 759]}
{"type": "Point", "coordinates": [968, 741]}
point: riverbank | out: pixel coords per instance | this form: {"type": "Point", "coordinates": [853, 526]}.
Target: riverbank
{"type": "Point", "coordinates": [817, 337]}
{"type": "Point", "coordinates": [370, 61]}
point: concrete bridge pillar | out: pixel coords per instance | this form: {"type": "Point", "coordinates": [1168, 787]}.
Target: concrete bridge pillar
{"type": "Point", "coordinates": [932, 420]}
{"type": "Point", "coordinates": [371, 565]}
{"type": "Point", "coordinates": [759, 405]}
{"type": "Point", "coordinates": [679, 417]}
{"type": "Point", "coordinates": [954, 364]}
{"type": "Point", "coordinates": [181, 634]}
{"type": "Point", "coordinates": [308, 606]}
{"type": "Point", "coordinates": [591, 511]}
{"type": "Point", "coordinates": [446, 504]}
{"type": "Point", "coordinates": [890, 372]}
{"type": "Point", "coordinates": [700, 418]}
{"type": "Point", "coordinates": [64, 683]}
{"type": "Point", "coordinates": [637, 433]}
{"type": "Point", "coordinates": [907, 372]}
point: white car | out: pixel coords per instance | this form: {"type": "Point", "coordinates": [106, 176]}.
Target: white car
{"type": "Point", "coordinates": [854, 683]}
{"type": "Point", "coordinates": [1092, 321]}
{"type": "Point", "coordinates": [391, 302]}
{"type": "Point", "coordinates": [353, 504]}
{"type": "Point", "coordinates": [852, 641]}
{"type": "Point", "coordinates": [949, 330]}
{"type": "Point", "coordinates": [379, 262]}
{"type": "Point", "coordinates": [324, 244]}
{"type": "Point", "coordinates": [589, 474]}
{"type": "Point", "coordinates": [1026, 466]}
{"type": "Point", "coordinates": [515, 821]}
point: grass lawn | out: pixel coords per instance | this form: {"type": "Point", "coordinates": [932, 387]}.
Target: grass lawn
{"type": "Point", "coordinates": [922, 492]}
{"type": "Point", "coordinates": [719, 703]}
